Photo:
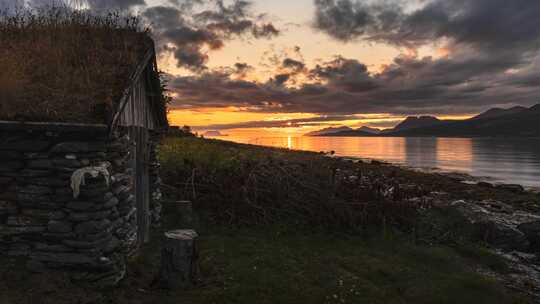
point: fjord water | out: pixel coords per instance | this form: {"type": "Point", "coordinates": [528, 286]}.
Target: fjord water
{"type": "Point", "coordinates": [506, 160]}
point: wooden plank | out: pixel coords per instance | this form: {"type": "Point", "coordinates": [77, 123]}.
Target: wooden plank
{"type": "Point", "coordinates": [142, 188]}
{"type": "Point", "coordinates": [124, 100]}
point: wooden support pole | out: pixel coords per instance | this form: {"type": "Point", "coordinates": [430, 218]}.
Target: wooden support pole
{"type": "Point", "coordinates": [179, 259]}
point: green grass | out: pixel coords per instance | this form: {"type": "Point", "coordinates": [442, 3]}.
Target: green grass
{"type": "Point", "coordinates": [246, 259]}
{"type": "Point", "coordinates": [273, 266]}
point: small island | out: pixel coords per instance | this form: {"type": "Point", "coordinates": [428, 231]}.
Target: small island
{"type": "Point", "coordinates": [214, 134]}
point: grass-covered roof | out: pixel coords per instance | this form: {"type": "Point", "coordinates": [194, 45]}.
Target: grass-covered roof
{"type": "Point", "coordinates": [61, 65]}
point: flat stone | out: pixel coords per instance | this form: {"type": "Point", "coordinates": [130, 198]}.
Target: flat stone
{"type": "Point", "coordinates": [57, 215]}
{"type": "Point", "coordinates": [36, 190]}
{"type": "Point", "coordinates": [26, 145]}
{"type": "Point", "coordinates": [71, 156]}
{"type": "Point", "coordinates": [57, 237]}
{"type": "Point", "coordinates": [18, 250]}
{"type": "Point", "coordinates": [119, 190]}
{"type": "Point", "coordinates": [499, 229]}
{"type": "Point", "coordinates": [112, 245]}
{"type": "Point", "coordinates": [34, 173]}
{"type": "Point", "coordinates": [36, 155]}
{"type": "Point", "coordinates": [37, 213]}
{"type": "Point", "coordinates": [113, 202]}
{"type": "Point", "coordinates": [40, 204]}
{"type": "Point", "coordinates": [11, 165]}
{"type": "Point", "coordinates": [67, 163]}
{"type": "Point", "coordinates": [21, 230]}
{"type": "Point", "coordinates": [40, 164]}
{"type": "Point", "coordinates": [92, 227]}
{"type": "Point", "coordinates": [22, 221]}
{"type": "Point", "coordinates": [532, 232]}
{"type": "Point", "coordinates": [101, 243]}
{"type": "Point", "coordinates": [511, 188]}
{"type": "Point", "coordinates": [106, 234]}
{"type": "Point", "coordinates": [48, 181]}
{"type": "Point", "coordinates": [60, 227]}
{"type": "Point", "coordinates": [125, 230]}
{"type": "Point", "coordinates": [52, 248]}
{"type": "Point", "coordinates": [63, 258]}
{"type": "Point", "coordinates": [94, 193]}
{"type": "Point", "coordinates": [31, 197]}
{"type": "Point", "coordinates": [82, 206]}
{"type": "Point", "coordinates": [128, 201]}
{"type": "Point", "coordinates": [10, 155]}
{"type": "Point", "coordinates": [485, 185]}
{"type": "Point", "coordinates": [79, 147]}
{"type": "Point", "coordinates": [88, 216]}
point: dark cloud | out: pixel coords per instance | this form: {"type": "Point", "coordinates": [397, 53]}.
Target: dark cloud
{"type": "Point", "coordinates": [294, 65]}
{"type": "Point", "coordinates": [113, 4]}
{"type": "Point", "coordinates": [314, 121]}
{"type": "Point", "coordinates": [190, 29]}
{"type": "Point", "coordinates": [10, 5]}
{"type": "Point", "coordinates": [94, 5]}
{"type": "Point", "coordinates": [484, 24]}
{"type": "Point", "coordinates": [409, 85]}
{"type": "Point", "coordinates": [492, 45]}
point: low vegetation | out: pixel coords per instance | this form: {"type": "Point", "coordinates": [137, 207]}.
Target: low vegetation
{"type": "Point", "coordinates": [66, 65]}
{"type": "Point", "coordinates": [279, 226]}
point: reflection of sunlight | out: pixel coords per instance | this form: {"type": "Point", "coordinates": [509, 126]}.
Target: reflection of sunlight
{"type": "Point", "coordinates": [289, 142]}
{"type": "Point", "coordinates": [455, 154]}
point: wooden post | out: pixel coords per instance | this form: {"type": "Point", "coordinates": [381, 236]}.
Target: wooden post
{"type": "Point", "coordinates": [179, 259]}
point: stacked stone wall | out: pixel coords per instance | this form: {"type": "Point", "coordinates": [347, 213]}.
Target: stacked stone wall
{"type": "Point", "coordinates": [40, 216]}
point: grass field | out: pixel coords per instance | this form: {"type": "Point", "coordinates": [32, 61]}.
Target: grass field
{"type": "Point", "coordinates": [275, 228]}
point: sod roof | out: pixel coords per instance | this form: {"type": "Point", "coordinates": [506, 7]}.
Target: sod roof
{"type": "Point", "coordinates": [60, 65]}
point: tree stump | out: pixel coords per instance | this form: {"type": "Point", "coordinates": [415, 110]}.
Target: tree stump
{"type": "Point", "coordinates": [179, 259]}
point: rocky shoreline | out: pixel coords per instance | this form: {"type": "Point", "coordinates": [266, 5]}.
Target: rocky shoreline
{"type": "Point", "coordinates": [510, 232]}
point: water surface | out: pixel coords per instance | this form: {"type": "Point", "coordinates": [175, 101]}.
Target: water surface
{"type": "Point", "coordinates": [501, 159]}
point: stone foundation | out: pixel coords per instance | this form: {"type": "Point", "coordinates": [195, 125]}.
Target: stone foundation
{"type": "Point", "coordinates": [40, 218]}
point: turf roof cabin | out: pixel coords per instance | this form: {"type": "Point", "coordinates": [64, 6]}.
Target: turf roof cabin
{"type": "Point", "coordinates": [81, 112]}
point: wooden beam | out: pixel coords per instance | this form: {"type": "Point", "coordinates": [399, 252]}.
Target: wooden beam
{"type": "Point", "coordinates": [127, 92]}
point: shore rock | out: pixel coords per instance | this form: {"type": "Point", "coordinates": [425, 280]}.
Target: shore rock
{"type": "Point", "coordinates": [497, 223]}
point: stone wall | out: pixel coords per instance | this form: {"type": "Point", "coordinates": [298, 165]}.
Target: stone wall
{"type": "Point", "coordinates": [155, 181]}
{"type": "Point", "coordinates": [40, 217]}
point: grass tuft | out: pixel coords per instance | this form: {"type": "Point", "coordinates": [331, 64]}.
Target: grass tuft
{"type": "Point", "coordinates": [65, 65]}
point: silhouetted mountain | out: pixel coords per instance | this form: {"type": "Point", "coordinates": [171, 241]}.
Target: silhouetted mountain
{"type": "Point", "coordinates": [513, 122]}
{"type": "Point", "coordinates": [369, 130]}
{"type": "Point", "coordinates": [498, 112]}
{"type": "Point", "coordinates": [351, 133]}
{"type": "Point", "coordinates": [328, 131]}
{"type": "Point", "coordinates": [413, 122]}
{"type": "Point", "coordinates": [214, 134]}
{"type": "Point", "coordinates": [516, 123]}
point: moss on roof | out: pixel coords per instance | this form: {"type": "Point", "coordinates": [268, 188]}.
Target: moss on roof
{"type": "Point", "coordinates": [66, 66]}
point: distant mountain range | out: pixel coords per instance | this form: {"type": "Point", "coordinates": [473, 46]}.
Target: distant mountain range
{"type": "Point", "coordinates": [513, 122]}
{"type": "Point", "coordinates": [214, 134]}
{"type": "Point", "coordinates": [328, 131]}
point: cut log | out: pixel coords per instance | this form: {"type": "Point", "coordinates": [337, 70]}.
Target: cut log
{"type": "Point", "coordinates": [179, 259]}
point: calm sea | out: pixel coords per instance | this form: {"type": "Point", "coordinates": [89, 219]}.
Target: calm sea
{"type": "Point", "coordinates": [501, 160]}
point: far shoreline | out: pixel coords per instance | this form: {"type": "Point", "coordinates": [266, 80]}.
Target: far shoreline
{"type": "Point", "coordinates": [462, 176]}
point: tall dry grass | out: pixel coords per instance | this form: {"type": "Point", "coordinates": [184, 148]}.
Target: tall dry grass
{"type": "Point", "coordinates": [59, 64]}
{"type": "Point", "coordinates": [243, 185]}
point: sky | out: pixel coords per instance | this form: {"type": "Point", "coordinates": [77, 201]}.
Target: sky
{"type": "Point", "coordinates": [294, 66]}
